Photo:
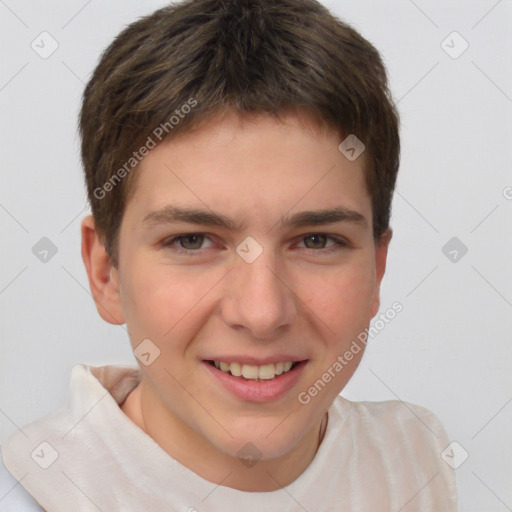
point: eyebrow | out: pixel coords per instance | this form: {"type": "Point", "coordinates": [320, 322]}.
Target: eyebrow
{"type": "Point", "coordinates": [172, 214]}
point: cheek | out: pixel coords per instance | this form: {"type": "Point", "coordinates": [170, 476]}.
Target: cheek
{"type": "Point", "coordinates": [160, 300]}
{"type": "Point", "coordinates": [342, 299]}
{"type": "Point", "coordinates": [142, 298]}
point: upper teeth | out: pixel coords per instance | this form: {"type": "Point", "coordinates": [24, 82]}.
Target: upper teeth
{"type": "Point", "coordinates": [250, 371]}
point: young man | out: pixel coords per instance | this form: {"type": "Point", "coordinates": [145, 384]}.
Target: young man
{"type": "Point", "coordinates": [240, 159]}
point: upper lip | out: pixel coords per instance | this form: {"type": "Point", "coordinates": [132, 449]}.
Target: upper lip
{"type": "Point", "coordinates": [257, 361]}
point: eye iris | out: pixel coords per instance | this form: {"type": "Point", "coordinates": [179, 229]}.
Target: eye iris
{"type": "Point", "coordinates": [316, 238]}
{"type": "Point", "coordinates": [197, 241]}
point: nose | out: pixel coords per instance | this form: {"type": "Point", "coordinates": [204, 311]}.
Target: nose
{"type": "Point", "coordinates": [259, 298]}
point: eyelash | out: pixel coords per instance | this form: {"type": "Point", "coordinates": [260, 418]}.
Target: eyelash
{"type": "Point", "coordinates": [170, 243]}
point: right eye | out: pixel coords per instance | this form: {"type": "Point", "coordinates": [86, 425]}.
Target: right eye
{"type": "Point", "coordinates": [188, 243]}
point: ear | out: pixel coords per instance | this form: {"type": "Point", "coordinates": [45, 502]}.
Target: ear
{"type": "Point", "coordinates": [103, 276]}
{"type": "Point", "coordinates": [381, 253]}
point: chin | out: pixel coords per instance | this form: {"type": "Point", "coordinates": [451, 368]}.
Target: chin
{"type": "Point", "coordinates": [270, 440]}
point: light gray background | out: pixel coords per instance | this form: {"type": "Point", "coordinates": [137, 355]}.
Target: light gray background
{"type": "Point", "coordinates": [450, 348]}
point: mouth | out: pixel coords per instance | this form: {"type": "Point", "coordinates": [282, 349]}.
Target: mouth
{"type": "Point", "coordinates": [242, 381]}
{"type": "Point", "coordinates": [253, 372]}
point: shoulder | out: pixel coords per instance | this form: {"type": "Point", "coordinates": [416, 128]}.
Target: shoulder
{"type": "Point", "coordinates": [393, 423]}
{"type": "Point", "coordinates": [399, 416]}
{"type": "Point", "coordinates": [406, 441]}
{"type": "Point", "coordinates": [13, 496]}
{"type": "Point", "coordinates": [398, 408]}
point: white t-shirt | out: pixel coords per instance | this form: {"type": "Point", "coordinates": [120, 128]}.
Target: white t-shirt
{"type": "Point", "coordinates": [89, 456]}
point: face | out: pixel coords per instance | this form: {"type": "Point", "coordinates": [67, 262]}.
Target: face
{"type": "Point", "coordinates": [247, 241]}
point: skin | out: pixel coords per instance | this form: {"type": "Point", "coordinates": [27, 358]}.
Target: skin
{"type": "Point", "coordinates": [296, 297]}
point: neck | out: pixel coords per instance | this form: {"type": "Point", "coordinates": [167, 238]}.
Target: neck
{"type": "Point", "coordinates": [196, 453]}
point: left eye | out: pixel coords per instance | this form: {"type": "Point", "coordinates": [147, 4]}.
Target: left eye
{"type": "Point", "coordinates": [319, 240]}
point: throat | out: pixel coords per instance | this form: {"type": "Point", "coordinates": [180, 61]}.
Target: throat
{"type": "Point", "coordinates": [131, 407]}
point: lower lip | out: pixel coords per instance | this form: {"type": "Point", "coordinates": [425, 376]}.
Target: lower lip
{"type": "Point", "coordinates": [261, 390]}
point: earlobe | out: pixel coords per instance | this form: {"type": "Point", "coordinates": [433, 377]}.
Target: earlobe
{"type": "Point", "coordinates": [381, 253]}
{"type": "Point", "coordinates": [102, 275]}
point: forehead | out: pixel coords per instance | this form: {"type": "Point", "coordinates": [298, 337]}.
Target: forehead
{"type": "Point", "coordinates": [257, 163]}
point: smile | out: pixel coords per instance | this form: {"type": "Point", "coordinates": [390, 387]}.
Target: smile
{"type": "Point", "coordinates": [256, 389]}
{"type": "Point", "coordinates": [254, 372]}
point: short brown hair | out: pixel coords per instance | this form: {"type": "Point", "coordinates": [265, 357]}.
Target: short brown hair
{"type": "Point", "coordinates": [250, 56]}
